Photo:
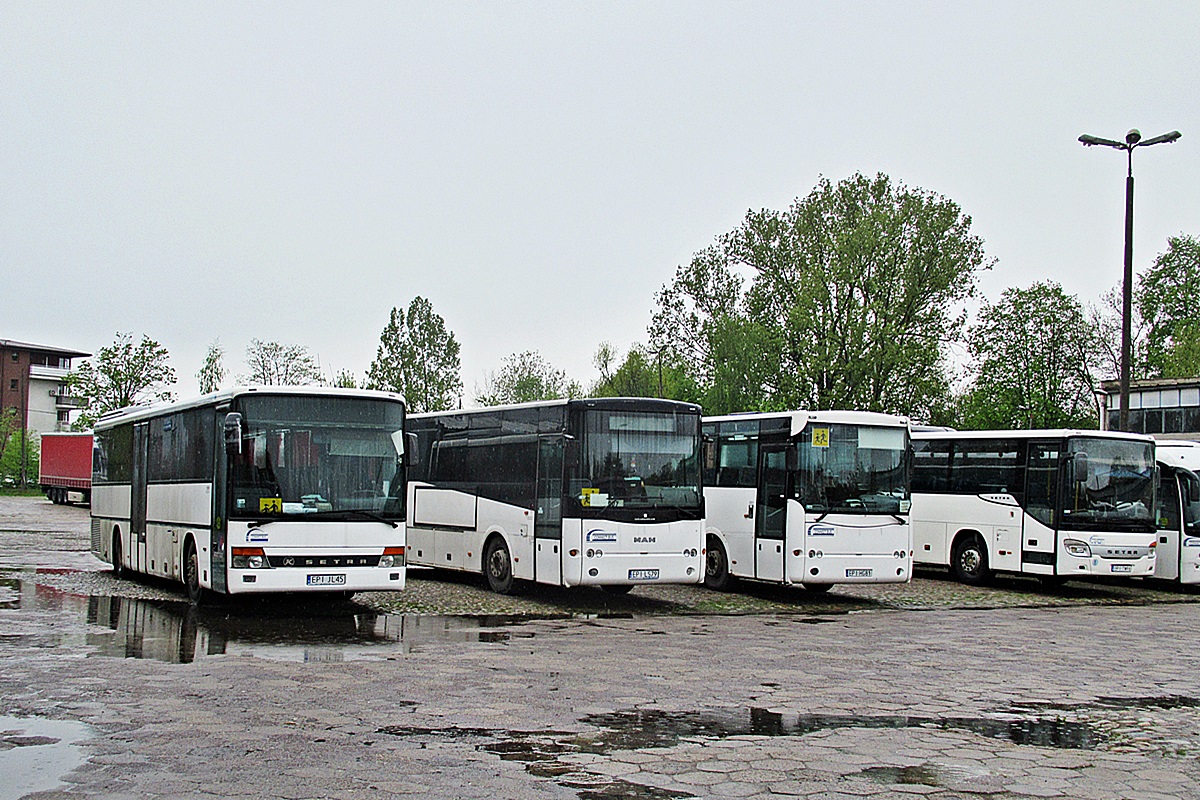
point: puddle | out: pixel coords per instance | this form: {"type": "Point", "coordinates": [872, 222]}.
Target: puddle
{"type": "Point", "coordinates": [174, 632]}
{"type": "Point", "coordinates": [1166, 702]}
{"type": "Point", "coordinates": [542, 752]}
{"type": "Point", "coordinates": [36, 753]}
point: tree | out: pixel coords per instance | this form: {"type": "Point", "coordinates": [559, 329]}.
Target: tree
{"type": "Point", "coordinates": [418, 358]}
{"type": "Point", "coordinates": [212, 373]}
{"type": "Point", "coordinates": [275, 364]}
{"type": "Point", "coordinates": [15, 471]}
{"type": "Point", "coordinates": [644, 372]}
{"type": "Point", "coordinates": [122, 374]}
{"type": "Point", "coordinates": [523, 378]}
{"type": "Point", "coordinates": [1033, 352]}
{"type": "Point", "coordinates": [345, 380]}
{"type": "Point", "coordinates": [1168, 299]}
{"type": "Point", "coordinates": [854, 294]}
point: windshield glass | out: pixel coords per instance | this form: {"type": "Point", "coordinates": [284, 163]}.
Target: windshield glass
{"type": "Point", "coordinates": [853, 469]}
{"type": "Point", "coordinates": [636, 459]}
{"type": "Point", "coordinates": [303, 455]}
{"type": "Point", "coordinates": [1109, 484]}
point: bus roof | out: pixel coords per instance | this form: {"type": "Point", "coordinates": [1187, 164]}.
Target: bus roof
{"type": "Point", "coordinates": [614, 403]}
{"type": "Point", "coordinates": [137, 413]}
{"type": "Point", "coordinates": [1045, 433]}
{"type": "Point", "coordinates": [834, 416]}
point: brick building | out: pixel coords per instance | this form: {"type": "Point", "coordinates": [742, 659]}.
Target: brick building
{"type": "Point", "coordinates": [32, 382]}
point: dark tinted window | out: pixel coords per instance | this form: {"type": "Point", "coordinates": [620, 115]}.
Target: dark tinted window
{"type": "Point", "coordinates": [931, 465]}
{"type": "Point", "coordinates": [181, 447]}
{"type": "Point", "coordinates": [112, 455]}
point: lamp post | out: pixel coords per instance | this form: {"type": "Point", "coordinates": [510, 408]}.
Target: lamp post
{"type": "Point", "coordinates": [1132, 139]}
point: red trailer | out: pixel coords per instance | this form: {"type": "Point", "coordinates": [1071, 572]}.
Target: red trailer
{"type": "Point", "coordinates": [66, 467]}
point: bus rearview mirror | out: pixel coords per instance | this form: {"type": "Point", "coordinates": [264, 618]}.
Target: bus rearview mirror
{"type": "Point", "coordinates": [1081, 467]}
{"type": "Point", "coordinates": [233, 433]}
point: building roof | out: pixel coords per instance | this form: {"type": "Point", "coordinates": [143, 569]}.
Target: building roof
{"type": "Point", "coordinates": [42, 348]}
{"type": "Point", "coordinates": [1114, 387]}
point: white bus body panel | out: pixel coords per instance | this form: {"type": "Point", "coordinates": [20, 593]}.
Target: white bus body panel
{"type": "Point", "coordinates": [324, 539]}
{"type": "Point", "coordinates": [854, 549]}
{"type": "Point", "coordinates": [1007, 531]}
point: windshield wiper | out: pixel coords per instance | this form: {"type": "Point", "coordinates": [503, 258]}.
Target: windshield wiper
{"type": "Point", "coordinates": [258, 523]}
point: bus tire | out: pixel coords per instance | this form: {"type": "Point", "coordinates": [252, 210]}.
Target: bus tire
{"type": "Point", "coordinates": [716, 566]}
{"type": "Point", "coordinates": [969, 560]}
{"type": "Point", "coordinates": [118, 568]}
{"type": "Point", "coordinates": [191, 573]}
{"type": "Point", "coordinates": [497, 566]}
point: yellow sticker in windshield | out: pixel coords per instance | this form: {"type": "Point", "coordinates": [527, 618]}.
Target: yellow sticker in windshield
{"type": "Point", "coordinates": [820, 437]}
{"type": "Point", "coordinates": [270, 505]}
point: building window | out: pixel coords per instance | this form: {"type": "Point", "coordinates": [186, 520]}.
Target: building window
{"type": "Point", "coordinates": [12, 384]}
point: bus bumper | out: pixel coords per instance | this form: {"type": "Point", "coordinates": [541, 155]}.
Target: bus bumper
{"type": "Point", "coordinates": [617, 569]}
{"type": "Point", "coordinates": [881, 568]}
{"type": "Point", "coordinates": [316, 580]}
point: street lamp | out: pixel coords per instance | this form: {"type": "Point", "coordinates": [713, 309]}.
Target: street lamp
{"type": "Point", "coordinates": [1132, 139]}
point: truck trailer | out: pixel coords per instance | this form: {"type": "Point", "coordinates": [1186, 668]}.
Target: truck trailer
{"type": "Point", "coordinates": [66, 467]}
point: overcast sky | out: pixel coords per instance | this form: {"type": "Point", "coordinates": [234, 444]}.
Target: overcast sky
{"type": "Point", "coordinates": [291, 171]}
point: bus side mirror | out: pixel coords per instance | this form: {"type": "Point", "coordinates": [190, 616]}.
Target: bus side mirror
{"type": "Point", "coordinates": [1081, 467]}
{"type": "Point", "coordinates": [793, 459]}
{"type": "Point", "coordinates": [233, 433]}
{"type": "Point", "coordinates": [412, 454]}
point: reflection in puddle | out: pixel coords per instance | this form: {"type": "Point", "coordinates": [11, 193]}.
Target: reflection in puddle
{"type": "Point", "coordinates": [36, 753]}
{"type": "Point", "coordinates": [175, 632]}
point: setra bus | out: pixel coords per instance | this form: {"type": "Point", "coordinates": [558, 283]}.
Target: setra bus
{"type": "Point", "coordinates": [807, 497]}
{"type": "Point", "coordinates": [255, 490]}
{"type": "Point", "coordinates": [1057, 504]}
{"type": "Point", "coordinates": [594, 492]}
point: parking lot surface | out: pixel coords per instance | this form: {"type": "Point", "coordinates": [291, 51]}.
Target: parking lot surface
{"type": "Point", "coordinates": [115, 688]}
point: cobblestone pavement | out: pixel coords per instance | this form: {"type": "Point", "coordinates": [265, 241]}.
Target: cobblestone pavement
{"type": "Point", "coordinates": [445, 691]}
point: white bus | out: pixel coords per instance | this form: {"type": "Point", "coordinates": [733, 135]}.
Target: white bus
{"type": "Point", "coordinates": [599, 492]}
{"type": "Point", "coordinates": [1057, 504]}
{"type": "Point", "coordinates": [255, 490]}
{"type": "Point", "coordinates": [1178, 511]}
{"type": "Point", "coordinates": [814, 498]}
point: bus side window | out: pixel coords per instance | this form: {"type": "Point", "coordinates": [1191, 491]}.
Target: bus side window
{"type": "Point", "coordinates": [1168, 502]}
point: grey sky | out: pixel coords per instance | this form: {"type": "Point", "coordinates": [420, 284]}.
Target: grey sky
{"type": "Point", "coordinates": [292, 171]}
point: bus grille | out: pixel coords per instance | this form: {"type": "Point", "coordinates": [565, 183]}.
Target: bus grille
{"type": "Point", "coordinates": [322, 562]}
{"type": "Point", "coordinates": [1125, 553]}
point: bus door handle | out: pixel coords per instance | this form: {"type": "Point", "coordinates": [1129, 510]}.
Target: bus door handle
{"type": "Point", "coordinates": [749, 511]}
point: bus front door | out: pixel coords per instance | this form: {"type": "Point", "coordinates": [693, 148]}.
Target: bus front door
{"type": "Point", "coordinates": [137, 499]}
{"type": "Point", "coordinates": [547, 526]}
{"type": "Point", "coordinates": [770, 518]}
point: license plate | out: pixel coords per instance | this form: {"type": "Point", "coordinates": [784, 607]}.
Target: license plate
{"type": "Point", "coordinates": [1122, 567]}
{"type": "Point", "coordinates": [859, 573]}
{"type": "Point", "coordinates": [643, 574]}
{"type": "Point", "coordinates": [327, 580]}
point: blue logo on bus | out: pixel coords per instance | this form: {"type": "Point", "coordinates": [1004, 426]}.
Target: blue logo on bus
{"type": "Point", "coordinates": [598, 535]}
{"type": "Point", "coordinates": [256, 536]}
{"type": "Point", "coordinates": [821, 530]}
{"type": "Point", "coordinates": [1191, 541]}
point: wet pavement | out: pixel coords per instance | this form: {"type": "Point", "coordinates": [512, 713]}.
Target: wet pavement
{"type": "Point", "coordinates": [671, 692]}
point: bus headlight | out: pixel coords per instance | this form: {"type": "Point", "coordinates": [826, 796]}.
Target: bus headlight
{"type": "Point", "coordinates": [392, 557]}
{"type": "Point", "coordinates": [1077, 548]}
{"type": "Point", "coordinates": [248, 558]}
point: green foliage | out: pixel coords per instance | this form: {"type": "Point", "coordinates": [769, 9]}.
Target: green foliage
{"type": "Point", "coordinates": [345, 380]}
{"type": "Point", "coordinates": [1168, 298]}
{"type": "Point", "coordinates": [853, 294]}
{"type": "Point", "coordinates": [275, 364]}
{"type": "Point", "coordinates": [418, 358]}
{"type": "Point", "coordinates": [14, 471]}
{"type": "Point", "coordinates": [526, 377]}
{"type": "Point", "coordinates": [1033, 352]}
{"type": "Point", "coordinates": [122, 374]}
{"type": "Point", "coordinates": [643, 373]}
{"type": "Point", "coordinates": [212, 373]}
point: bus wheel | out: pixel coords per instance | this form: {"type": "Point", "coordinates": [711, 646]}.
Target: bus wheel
{"type": "Point", "coordinates": [497, 566]}
{"type": "Point", "coordinates": [969, 561]}
{"type": "Point", "coordinates": [716, 566]}
{"type": "Point", "coordinates": [617, 588]}
{"type": "Point", "coordinates": [118, 567]}
{"type": "Point", "coordinates": [191, 574]}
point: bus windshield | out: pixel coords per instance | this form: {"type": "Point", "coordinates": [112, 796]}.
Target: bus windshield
{"type": "Point", "coordinates": [853, 469]}
{"type": "Point", "coordinates": [1109, 484]}
{"type": "Point", "coordinates": [317, 455]}
{"type": "Point", "coordinates": [638, 459]}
